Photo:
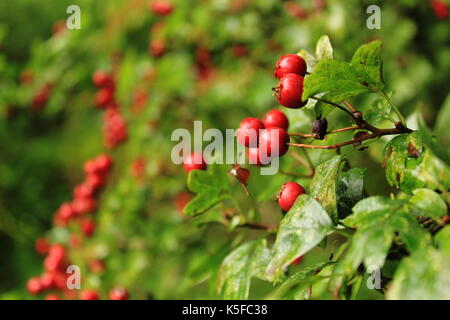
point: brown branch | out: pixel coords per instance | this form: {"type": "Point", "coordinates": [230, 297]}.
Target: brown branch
{"type": "Point", "coordinates": [379, 132]}
{"type": "Point", "coordinates": [348, 105]}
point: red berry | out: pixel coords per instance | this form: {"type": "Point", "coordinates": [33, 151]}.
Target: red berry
{"type": "Point", "coordinates": [57, 251]}
{"type": "Point", "coordinates": [290, 63]}
{"type": "Point", "coordinates": [88, 227]}
{"type": "Point", "coordinates": [97, 266]}
{"type": "Point", "coordinates": [288, 194]}
{"type": "Point", "coordinates": [89, 294]}
{"type": "Point", "coordinates": [95, 180]}
{"type": "Point", "coordinates": [118, 293]}
{"type": "Point", "coordinates": [52, 296]}
{"type": "Point", "coordinates": [276, 119]}
{"type": "Point", "coordinates": [42, 246]}
{"type": "Point", "coordinates": [47, 280]}
{"type": "Point", "coordinates": [102, 79]}
{"type": "Point", "coordinates": [274, 141]}
{"type": "Point", "coordinates": [255, 156]}
{"type": "Point", "coordinates": [440, 9]}
{"type": "Point", "coordinates": [289, 91]}
{"type": "Point", "coordinates": [161, 7]}
{"type": "Point", "coordinates": [65, 212]}
{"type": "Point", "coordinates": [34, 285]}
{"type": "Point", "coordinates": [248, 132]}
{"type": "Point", "coordinates": [83, 205]}
{"type": "Point", "coordinates": [104, 97]}
{"type": "Point", "coordinates": [83, 190]}
{"type": "Point", "coordinates": [103, 162]}
{"type": "Point", "coordinates": [157, 48]}
{"type": "Point", "coordinates": [194, 161]}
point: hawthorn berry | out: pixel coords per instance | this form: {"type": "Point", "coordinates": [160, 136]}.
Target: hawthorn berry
{"type": "Point", "coordinates": [161, 7]}
{"type": "Point", "coordinates": [289, 91]}
{"type": "Point", "coordinates": [34, 285]}
{"type": "Point", "coordinates": [290, 63]}
{"type": "Point", "coordinates": [248, 132]}
{"type": "Point", "coordinates": [274, 141]}
{"type": "Point", "coordinates": [118, 293]}
{"type": "Point", "coordinates": [440, 9]}
{"type": "Point", "coordinates": [104, 97]}
{"type": "Point", "coordinates": [115, 128]}
{"type": "Point", "coordinates": [102, 79]}
{"type": "Point", "coordinates": [52, 296]}
{"type": "Point", "coordinates": [82, 206]}
{"type": "Point", "coordinates": [276, 119]}
{"type": "Point", "coordinates": [88, 227]}
{"type": "Point", "coordinates": [157, 48]}
{"type": "Point", "coordinates": [288, 194]}
{"type": "Point", "coordinates": [89, 294]}
{"type": "Point", "coordinates": [255, 157]}
{"type": "Point", "coordinates": [194, 161]}
{"type": "Point", "coordinates": [42, 246]}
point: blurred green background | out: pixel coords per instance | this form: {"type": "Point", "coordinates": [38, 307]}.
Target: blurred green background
{"type": "Point", "coordinates": [216, 67]}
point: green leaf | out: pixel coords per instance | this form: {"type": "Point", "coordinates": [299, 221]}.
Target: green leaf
{"type": "Point", "coordinates": [409, 165]}
{"type": "Point", "coordinates": [349, 190]}
{"type": "Point", "coordinates": [323, 185]}
{"type": "Point", "coordinates": [211, 186]}
{"type": "Point", "coordinates": [302, 228]}
{"type": "Point", "coordinates": [301, 278]}
{"type": "Point", "coordinates": [379, 111]}
{"type": "Point", "coordinates": [378, 220]}
{"type": "Point", "coordinates": [429, 204]}
{"type": "Point", "coordinates": [239, 266]}
{"type": "Point", "coordinates": [324, 50]}
{"type": "Point", "coordinates": [423, 275]}
{"type": "Point", "coordinates": [442, 239]}
{"type": "Point", "coordinates": [340, 80]}
{"type": "Point", "coordinates": [368, 64]}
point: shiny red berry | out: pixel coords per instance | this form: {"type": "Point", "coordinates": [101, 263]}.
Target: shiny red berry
{"type": "Point", "coordinates": [194, 161]}
{"type": "Point", "coordinates": [276, 119]}
{"type": "Point", "coordinates": [248, 132]}
{"type": "Point", "coordinates": [256, 157]}
{"type": "Point", "coordinates": [289, 91]}
{"type": "Point", "coordinates": [118, 293]}
{"type": "Point", "coordinates": [288, 194]}
{"type": "Point", "coordinates": [274, 141]}
{"type": "Point", "coordinates": [290, 63]}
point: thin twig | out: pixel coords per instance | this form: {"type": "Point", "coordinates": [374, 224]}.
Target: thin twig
{"type": "Point", "coordinates": [306, 163]}
{"type": "Point", "coordinates": [335, 105]}
{"type": "Point", "coordinates": [348, 105]}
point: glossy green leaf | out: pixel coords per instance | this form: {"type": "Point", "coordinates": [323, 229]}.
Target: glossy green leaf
{"type": "Point", "coordinates": [340, 80]}
{"type": "Point", "coordinates": [239, 266]}
{"type": "Point", "coordinates": [349, 190]}
{"type": "Point", "coordinates": [323, 185]}
{"type": "Point", "coordinates": [302, 228]}
{"type": "Point", "coordinates": [423, 275]}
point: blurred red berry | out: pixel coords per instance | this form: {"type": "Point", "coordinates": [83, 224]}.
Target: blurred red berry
{"type": "Point", "coordinates": [34, 285]}
{"type": "Point", "coordinates": [161, 7]}
{"type": "Point", "coordinates": [42, 246]}
{"type": "Point", "coordinates": [194, 161]}
{"type": "Point", "coordinates": [118, 293]}
{"type": "Point", "coordinates": [89, 294]}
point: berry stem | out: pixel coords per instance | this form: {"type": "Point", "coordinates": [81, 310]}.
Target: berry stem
{"type": "Point", "coordinates": [310, 135]}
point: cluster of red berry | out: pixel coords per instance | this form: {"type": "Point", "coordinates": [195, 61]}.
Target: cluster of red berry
{"type": "Point", "coordinates": [115, 127]}
{"type": "Point", "coordinates": [54, 278]}
{"type": "Point", "coordinates": [157, 46]}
